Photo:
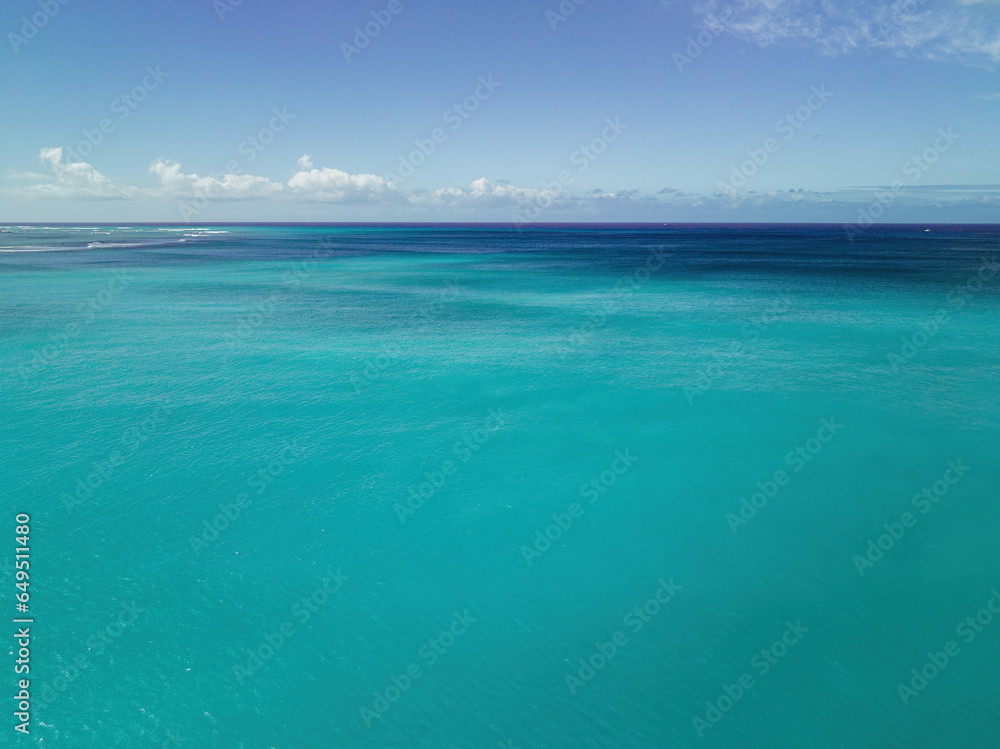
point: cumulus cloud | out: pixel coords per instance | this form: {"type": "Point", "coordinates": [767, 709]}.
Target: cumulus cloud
{"type": "Point", "coordinates": [333, 185]}
{"type": "Point", "coordinates": [927, 29]}
{"type": "Point", "coordinates": [173, 182]}
{"type": "Point", "coordinates": [321, 185]}
{"type": "Point", "coordinates": [74, 181]}
{"type": "Point", "coordinates": [81, 181]}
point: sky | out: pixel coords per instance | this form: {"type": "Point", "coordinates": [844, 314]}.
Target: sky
{"type": "Point", "coordinates": [520, 111]}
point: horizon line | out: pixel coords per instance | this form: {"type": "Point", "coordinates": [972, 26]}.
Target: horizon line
{"type": "Point", "coordinates": [494, 224]}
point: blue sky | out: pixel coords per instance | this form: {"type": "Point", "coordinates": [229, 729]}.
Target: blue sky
{"type": "Point", "coordinates": [624, 110]}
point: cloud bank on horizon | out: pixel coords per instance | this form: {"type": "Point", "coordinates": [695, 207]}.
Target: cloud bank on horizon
{"type": "Point", "coordinates": [80, 181]}
{"type": "Point", "coordinates": [192, 193]}
{"type": "Point", "coordinates": [803, 110]}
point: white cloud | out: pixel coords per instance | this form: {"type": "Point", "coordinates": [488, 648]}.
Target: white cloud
{"type": "Point", "coordinates": [73, 181]}
{"type": "Point", "coordinates": [333, 185]}
{"type": "Point", "coordinates": [927, 29]}
{"type": "Point", "coordinates": [81, 181]}
{"type": "Point", "coordinates": [174, 183]}
{"type": "Point", "coordinates": [324, 185]}
{"type": "Point", "coordinates": [484, 193]}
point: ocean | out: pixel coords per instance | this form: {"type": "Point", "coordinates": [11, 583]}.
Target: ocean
{"type": "Point", "coordinates": [475, 486]}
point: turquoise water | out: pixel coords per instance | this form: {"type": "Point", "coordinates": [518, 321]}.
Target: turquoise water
{"type": "Point", "coordinates": [386, 422]}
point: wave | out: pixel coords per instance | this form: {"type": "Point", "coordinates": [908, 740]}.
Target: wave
{"type": "Point", "coordinates": [39, 249]}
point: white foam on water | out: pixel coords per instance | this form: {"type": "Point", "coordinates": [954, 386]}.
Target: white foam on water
{"type": "Point", "coordinates": [38, 249]}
